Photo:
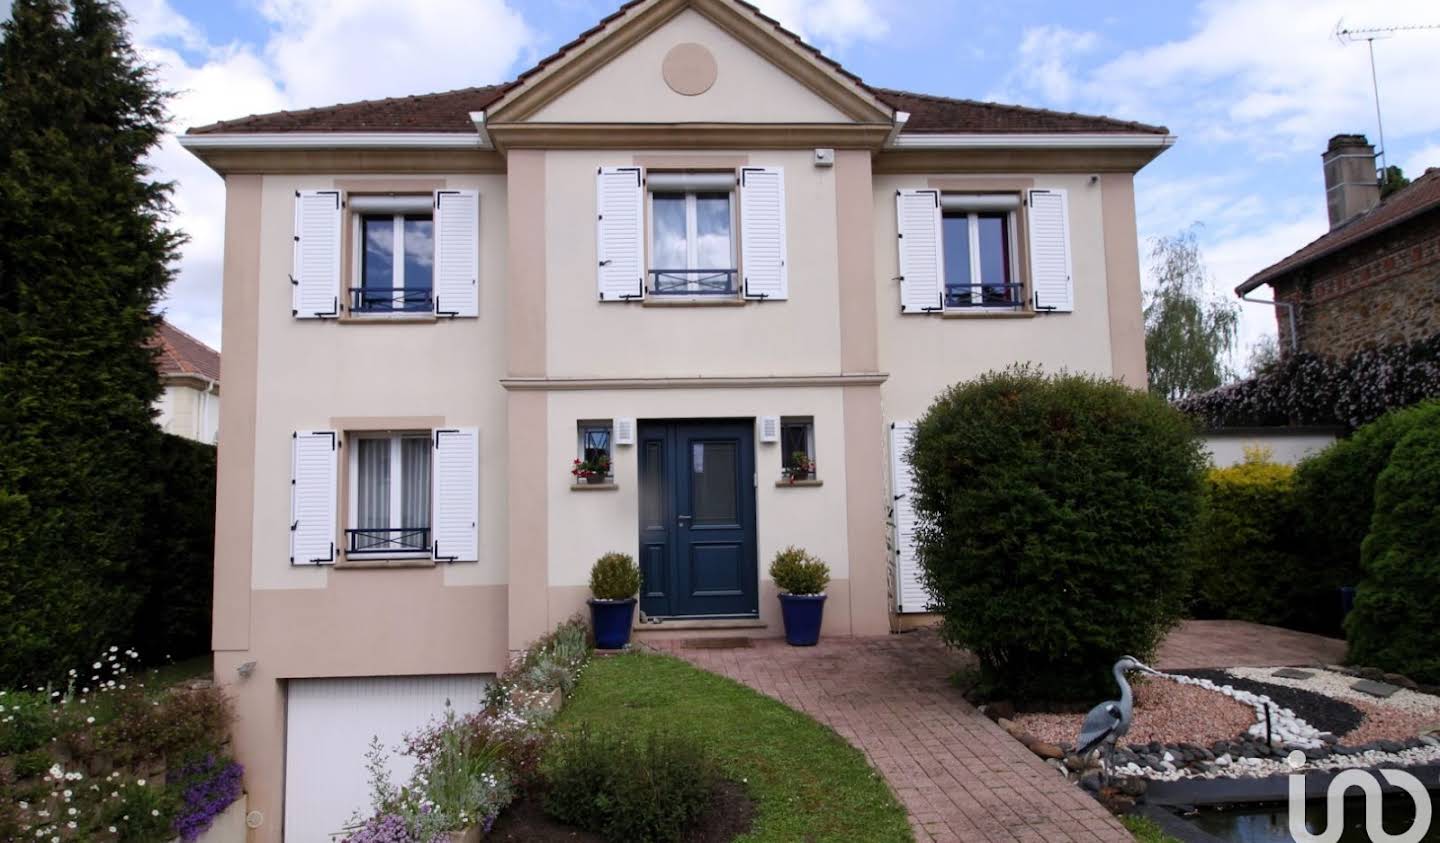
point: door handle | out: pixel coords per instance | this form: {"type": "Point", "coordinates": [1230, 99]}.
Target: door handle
{"type": "Point", "coordinates": [683, 520]}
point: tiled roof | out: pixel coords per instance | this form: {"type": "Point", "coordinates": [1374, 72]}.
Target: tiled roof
{"type": "Point", "coordinates": [178, 353]}
{"type": "Point", "coordinates": [942, 114]}
{"type": "Point", "coordinates": [450, 111]}
{"type": "Point", "coordinates": [1418, 197]}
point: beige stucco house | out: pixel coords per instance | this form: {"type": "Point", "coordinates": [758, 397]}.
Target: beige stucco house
{"type": "Point", "coordinates": [189, 402]}
{"type": "Point", "coordinates": [686, 242]}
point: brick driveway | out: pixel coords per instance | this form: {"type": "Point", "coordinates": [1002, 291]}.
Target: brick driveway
{"type": "Point", "coordinates": [959, 776]}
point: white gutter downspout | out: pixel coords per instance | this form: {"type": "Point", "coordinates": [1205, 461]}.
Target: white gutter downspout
{"type": "Point", "coordinates": [901, 118]}
{"type": "Point", "coordinates": [478, 118]}
{"type": "Point", "coordinates": [1289, 313]}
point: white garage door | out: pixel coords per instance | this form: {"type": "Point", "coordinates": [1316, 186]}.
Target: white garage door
{"type": "Point", "coordinates": [329, 724]}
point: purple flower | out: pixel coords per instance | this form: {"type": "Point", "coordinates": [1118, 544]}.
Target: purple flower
{"type": "Point", "coordinates": [211, 785]}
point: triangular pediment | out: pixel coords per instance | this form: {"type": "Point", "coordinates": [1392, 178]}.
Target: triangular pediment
{"type": "Point", "coordinates": [690, 62]}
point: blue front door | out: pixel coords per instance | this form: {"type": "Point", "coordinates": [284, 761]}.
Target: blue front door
{"type": "Point", "coordinates": [697, 519]}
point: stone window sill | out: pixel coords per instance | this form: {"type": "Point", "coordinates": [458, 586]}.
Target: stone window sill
{"type": "Point", "coordinates": [682, 301]}
{"type": "Point", "coordinates": [980, 313]}
{"type": "Point", "coordinates": [798, 484]}
{"type": "Point", "coordinates": [593, 487]}
{"type": "Point", "coordinates": [349, 318]}
{"type": "Point", "coordinates": [384, 564]}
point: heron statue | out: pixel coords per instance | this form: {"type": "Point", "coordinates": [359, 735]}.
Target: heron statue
{"type": "Point", "coordinates": [1109, 721]}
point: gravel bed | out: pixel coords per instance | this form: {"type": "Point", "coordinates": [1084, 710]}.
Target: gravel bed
{"type": "Point", "coordinates": [1165, 711]}
{"type": "Point", "coordinates": [1327, 714]}
{"type": "Point", "coordinates": [1338, 685]}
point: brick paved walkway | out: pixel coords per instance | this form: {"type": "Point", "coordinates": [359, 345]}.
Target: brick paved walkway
{"type": "Point", "coordinates": [960, 777]}
{"type": "Point", "coordinates": [1237, 643]}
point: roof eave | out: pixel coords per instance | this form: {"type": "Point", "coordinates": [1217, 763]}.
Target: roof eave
{"type": "Point", "coordinates": [1035, 140]}
{"type": "Point", "coordinates": [333, 140]}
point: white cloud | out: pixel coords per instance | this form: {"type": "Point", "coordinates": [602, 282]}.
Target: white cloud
{"type": "Point", "coordinates": [828, 23]}
{"type": "Point", "coordinates": [320, 52]}
{"type": "Point", "coordinates": [1046, 66]}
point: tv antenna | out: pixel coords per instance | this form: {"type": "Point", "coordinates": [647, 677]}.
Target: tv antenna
{"type": "Point", "coordinates": [1349, 35]}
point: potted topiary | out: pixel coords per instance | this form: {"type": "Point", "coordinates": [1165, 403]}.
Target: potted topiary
{"type": "Point", "coordinates": [802, 580]}
{"type": "Point", "coordinates": [614, 582]}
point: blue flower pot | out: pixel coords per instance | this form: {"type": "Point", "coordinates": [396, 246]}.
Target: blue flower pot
{"type": "Point", "coordinates": [802, 614]}
{"type": "Point", "coordinates": [612, 620]}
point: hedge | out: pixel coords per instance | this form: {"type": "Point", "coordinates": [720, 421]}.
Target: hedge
{"type": "Point", "coordinates": [1335, 495]}
{"type": "Point", "coordinates": [1309, 389]}
{"type": "Point", "coordinates": [1246, 563]}
{"type": "Point", "coordinates": [1055, 514]}
{"type": "Point", "coordinates": [1397, 609]}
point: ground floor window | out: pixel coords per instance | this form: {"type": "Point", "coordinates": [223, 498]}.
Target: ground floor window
{"type": "Point", "coordinates": [797, 443]}
{"type": "Point", "coordinates": [592, 464]}
{"type": "Point", "coordinates": [389, 493]}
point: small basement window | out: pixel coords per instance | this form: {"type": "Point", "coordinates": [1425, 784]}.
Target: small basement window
{"type": "Point", "coordinates": [797, 443]}
{"type": "Point", "coordinates": [692, 234]}
{"type": "Point", "coordinates": [980, 250]}
{"type": "Point", "coordinates": [396, 261]}
{"type": "Point", "coordinates": [592, 466]}
{"type": "Point", "coordinates": [390, 491]}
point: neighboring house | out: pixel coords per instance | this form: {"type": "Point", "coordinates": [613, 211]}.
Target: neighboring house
{"type": "Point", "coordinates": [687, 241]}
{"type": "Point", "coordinates": [1374, 278]}
{"type": "Point", "coordinates": [190, 375]}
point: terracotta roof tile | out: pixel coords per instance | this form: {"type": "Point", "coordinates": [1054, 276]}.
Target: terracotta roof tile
{"type": "Point", "coordinates": [450, 111]}
{"type": "Point", "coordinates": [178, 353]}
{"type": "Point", "coordinates": [1420, 196]}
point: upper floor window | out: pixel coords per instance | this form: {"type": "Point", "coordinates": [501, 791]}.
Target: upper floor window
{"type": "Point", "coordinates": [389, 494]}
{"type": "Point", "coordinates": [692, 234]}
{"type": "Point", "coordinates": [397, 263]}
{"type": "Point", "coordinates": [980, 256]}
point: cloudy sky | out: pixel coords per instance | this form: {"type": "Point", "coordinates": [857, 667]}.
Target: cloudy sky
{"type": "Point", "coordinates": [1254, 88]}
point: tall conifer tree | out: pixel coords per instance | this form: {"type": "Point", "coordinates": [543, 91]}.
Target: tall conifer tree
{"type": "Point", "coordinates": [84, 259]}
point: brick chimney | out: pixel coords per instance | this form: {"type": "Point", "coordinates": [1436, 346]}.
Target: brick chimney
{"type": "Point", "coordinates": [1351, 186]}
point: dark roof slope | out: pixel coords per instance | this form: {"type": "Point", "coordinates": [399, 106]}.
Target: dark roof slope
{"type": "Point", "coordinates": [450, 111]}
{"type": "Point", "coordinates": [178, 353]}
{"type": "Point", "coordinates": [941, 114]}
{"type": "Point", "coordinates": [1419, 196]}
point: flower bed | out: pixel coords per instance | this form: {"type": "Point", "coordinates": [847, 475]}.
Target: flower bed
{"type": "Point", "coordinates": [469, 769]}
{"type": "Point", "coordinates": [108, 759]}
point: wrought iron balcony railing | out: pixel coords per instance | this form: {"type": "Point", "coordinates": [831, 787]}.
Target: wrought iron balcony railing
{"type": "Point", "coordinates": [391, 300]}
{"type": "Point", "coordinates": [377, 540]}
{"type": "Point", "coordinates": [693, 282]}
{"type": "Point", "coordinates": [983, 295]}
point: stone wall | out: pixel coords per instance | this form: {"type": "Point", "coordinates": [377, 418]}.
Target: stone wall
{"type": "Point", "coordinates": [1383, 291]}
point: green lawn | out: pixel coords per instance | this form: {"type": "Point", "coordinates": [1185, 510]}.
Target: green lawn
{"type": "Point", "coordinates": [1146, 830]}
{"type": "Point", "coordinates": [808, 783]}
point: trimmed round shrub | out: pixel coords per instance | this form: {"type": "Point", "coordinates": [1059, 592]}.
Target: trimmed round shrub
{"type": "Point", "coordinates": [1055, 514]}
{"type": "Point", "coordinates": [648, 789]}
{"type": "Point", "coordinates": [1395, 625]}
{"type": "Point", "coordinates": [615, 576]}
{"type": "Point", "coordinates": [1246, 564]}
{"type": "Point", "coordinates": [1335, 498]}
{"type": "Point", "coordinates": [796, 571]}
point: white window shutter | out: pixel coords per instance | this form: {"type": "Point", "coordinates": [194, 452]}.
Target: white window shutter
{"type": "Point", "coordinates": [769, 429]}
{"type": "Point", "coordinates": [315, 455]}
{"type": "Point", "coordinates": [910, 593]}
{"type": "Point", "coordinates": [457, 253]}
{"type": "Point", "coordinates": [619, 233]}
{"type": "Point", "coordinates": [762, 233]}
{"type": "Point", "coordinates": [922, 251]}
{"type": "Point", "coordinates": [1050, 270]}
{"type": "Point", "coordinates": [456, 499]}
{"type": "Point", "coordinates": [315, 278]}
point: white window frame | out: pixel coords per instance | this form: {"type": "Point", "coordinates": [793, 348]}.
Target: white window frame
{"type": "Point", "coordinates": [397, 502]}
{"type": "Point", "coordinates": [397, 262]}
{"type": "Point", "coordinates": [809, 423]}
{"type": "Point", "coordinates": [977, 294]}
{"type": "Point", "coordinates": [692, 236]}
